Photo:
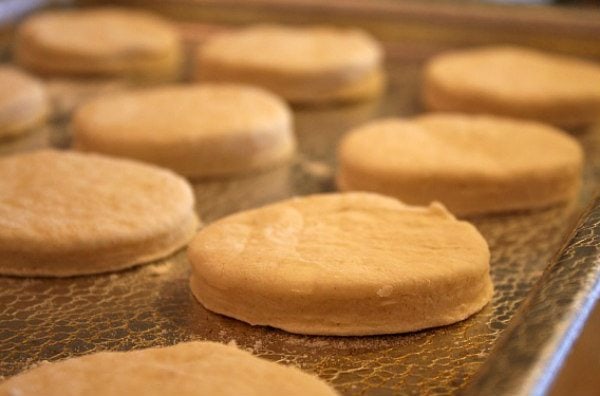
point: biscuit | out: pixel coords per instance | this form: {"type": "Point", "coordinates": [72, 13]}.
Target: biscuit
{"type": "Point", "coordinates": [23, 102]}
{"type": "Point", "coordinates": [514, 82]}
{"type": "Point", "coordinates": [64, 214]}
{"type": "Point", "coordinates": [472, 164]}
{"type": "Point", "coordinates": [301, 64]}
{"type": "Point", "coordinates": [342, 264]}
{"type": "Point", "coordinates": [99, 42]}
{"type": "Point", "coordinates": [197, 131]}
{"type": "Point", "coordinates": [186, 369]}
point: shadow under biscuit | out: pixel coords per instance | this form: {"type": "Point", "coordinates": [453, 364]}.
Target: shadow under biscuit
{"type": "Point", "coordinates": [218, 197]}
{"type": "Point", "coordinates": [66, 94]}
{"type": "Point", "coordinates": [36, 138]}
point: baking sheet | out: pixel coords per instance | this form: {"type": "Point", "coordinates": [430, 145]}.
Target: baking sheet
{"type": "Point", "coordinates": [51, 319]}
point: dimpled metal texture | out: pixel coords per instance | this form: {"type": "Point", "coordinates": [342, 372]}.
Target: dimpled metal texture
{"type": "Point", "coordinates": [530, 351]}
{"type": "Point", "coordinates": [151, 305]}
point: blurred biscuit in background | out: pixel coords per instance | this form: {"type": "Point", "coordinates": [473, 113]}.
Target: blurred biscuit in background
{"type": "Point", "coordinates": [514, 82]}
{"type": "Point", "coordinates": [302, 64]}
{"type": "Point", "coordinates": [472, 164]}
{"type": "Point", "coordinates": [23, 102]}
{"type": "Point", "coordinates": [202, 130]}
{"type": "Point", "coordinates": [99, 42]}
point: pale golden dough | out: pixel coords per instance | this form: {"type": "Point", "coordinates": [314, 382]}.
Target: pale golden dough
{"type": "Point", "coordinates": [64, 214]}
{"type": "Point", "coordinates": [302, 64]}
{"type": "Point", "coordinates": [197, 131]}
{"type": "Point", "coordinates": [472, 164]}
{"type": "Point", "coordinates": [23, 102]}
{"type": "Point", "coordinates": [342, 264]}
{"type": "Point", "coordinates": [367, 87]}
{"type": "Point", "coordinates": [186, 369]}
{"type": "Point", "coordinates": [99, 42]}
{"type": "Point", "coordinates": [515, 82]}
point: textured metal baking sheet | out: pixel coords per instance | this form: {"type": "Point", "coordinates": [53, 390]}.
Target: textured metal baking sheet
{"type": "Point", "coordinates": [151, 305]}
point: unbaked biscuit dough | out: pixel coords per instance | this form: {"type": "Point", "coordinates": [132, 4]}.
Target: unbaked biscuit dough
{"type": "Point", "coordinates": [64, 214]}
{"type": "Point", "coordinates": [515, 82]}
{"type": "Point", "coordinates": [472, 164]}
{"type": "Point", "coordinates": [186, 369]}
{"type": "Point", "coordinates": [197, 131]}
{"type": "Point", "coordinates": [342, 264]}
{"type": "Point", "coordinates": [23, 102]}
{"type": "Point", "coordinates": [302, 64]}
{"type": "Point", "coordinates": [99, 42]}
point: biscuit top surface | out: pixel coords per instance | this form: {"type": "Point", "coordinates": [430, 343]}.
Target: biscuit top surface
{"type": "Point", "coordinates": [186, 369]}
{"type": "Point", "coordinates": [454, 144]}
{"type": "Point", "coordinates": [295, 49]}
{"type": "Point", "coordinates": [311, 244]}
{"type": "Point", "coordinates": [19, 93]}
{"type": "Point", "coordinates": [51, 199]}
{"type": "Point", "coordinates": [178, 112]}
{"type": "Point", "coordinates": [516, 73]}
{"type": "Point", "coordinates": [99, 33]}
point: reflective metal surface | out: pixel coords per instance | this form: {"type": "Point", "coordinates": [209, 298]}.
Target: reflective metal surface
{"type": "Point", "coordinates": [531, 351]}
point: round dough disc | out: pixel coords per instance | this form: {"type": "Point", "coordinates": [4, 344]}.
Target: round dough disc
{"type": "Point", "coordinates": [186, 369]}
{"type": "Point", "coordinates": [23, 102]}
{"type": "Point", "coordinates": [64, 214]}
{"type": "Point", "coordinates": [302, 64]}
{"type": "Point", "coordinates": [342, 264]}
{"type": "Point", "coordinates": [99, 41]}
{"type": "Point", "coordinates": [197, 131]}
{"type": "Point", "coordinates": [515, 82]}
{"type": "Point", "coordinates": [472, 164]}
